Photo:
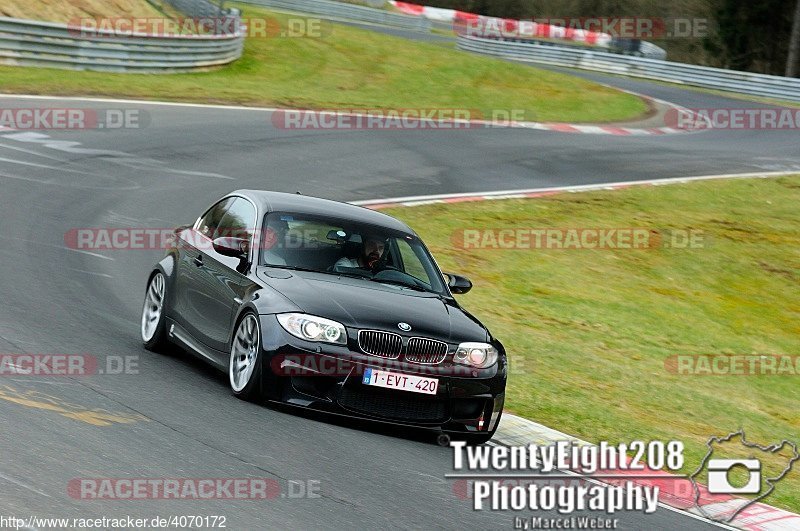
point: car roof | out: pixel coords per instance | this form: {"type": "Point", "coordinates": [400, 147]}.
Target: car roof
{"type": "Point", "coordinates": [306, 204]}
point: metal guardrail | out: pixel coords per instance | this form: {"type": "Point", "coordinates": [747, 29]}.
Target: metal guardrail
{"type": "Point", "coordinates": [697, 76]}
{"type": "Point", "coordinates": [347, 12]}
{"type": "Point", "coordinates": [47, 44]}
{"type": "Point", "coordinates": [195, 8]}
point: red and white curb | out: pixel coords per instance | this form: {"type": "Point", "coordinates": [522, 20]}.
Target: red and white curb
{"type": "Point", "coordinates": [681, 115]}
{"type": "Point", "coordinates": [698, 124]}
{"type": "Point", "coordinates": [604, 129]}
{"type": "Point", "coordinates": [674, 492]}
{"type": "Point", "coordinates": [410, 201]}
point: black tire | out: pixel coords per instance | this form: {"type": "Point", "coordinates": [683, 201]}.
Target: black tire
{"type": "Point", "coordinates": [251, 389]}
{"type": "Point", "coordinates": [477, 440]}
{"type": "Point", "coordinates": [154, 333]}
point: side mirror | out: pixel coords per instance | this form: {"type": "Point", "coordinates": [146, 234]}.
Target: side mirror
{"type": "Point", "coordinates": [235, 247]}
{"type": "Point", "coordinates": [458, 284]}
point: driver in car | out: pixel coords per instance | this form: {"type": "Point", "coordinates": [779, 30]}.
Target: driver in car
{"type": "Point", "coordinates": [371, 251]}
{"type": "Point", "coordinates": [274, 241]}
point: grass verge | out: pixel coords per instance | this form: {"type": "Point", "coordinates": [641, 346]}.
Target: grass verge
{"type": "Point", "coordinates": [590, 331]}
{"type": "Point", "coordinates": [351, 68]}
{"type": "Point", "coordinates": [65, 10]}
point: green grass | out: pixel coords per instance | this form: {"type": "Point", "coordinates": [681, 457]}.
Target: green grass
{"type": "Point", "coordinates": [70, 10]}
{"type": "Point", "coordinates": [588, 331]}
{"type": "Point", "coordinates": [351, 68]}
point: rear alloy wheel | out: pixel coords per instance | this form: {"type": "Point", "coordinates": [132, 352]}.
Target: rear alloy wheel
{"type": "Point", "coordinates": [244, 369]}
{"type": "Point", "coordinates": [153, 327]}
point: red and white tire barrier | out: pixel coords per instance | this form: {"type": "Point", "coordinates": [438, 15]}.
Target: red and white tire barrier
{"type": "Point", "coordinates": [433, 13]}
{"type": "Point", "coordinates": [483, 26]}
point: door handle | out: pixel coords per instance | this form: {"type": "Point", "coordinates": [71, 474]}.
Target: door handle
{"type": "Point", "coordinates": [198, 261]}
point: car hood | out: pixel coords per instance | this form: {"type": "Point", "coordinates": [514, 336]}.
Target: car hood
{"type": "Point", "coordinates": [359, 303]}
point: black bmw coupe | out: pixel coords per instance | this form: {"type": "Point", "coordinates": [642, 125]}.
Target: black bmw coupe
{"type": "Point", "coordinates": [329, 306]}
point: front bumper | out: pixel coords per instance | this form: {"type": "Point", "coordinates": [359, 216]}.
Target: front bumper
{"type": "Point", "coordinates": [329, 378]}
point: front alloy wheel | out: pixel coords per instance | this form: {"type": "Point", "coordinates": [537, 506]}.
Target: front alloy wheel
{"type": "Point", "coordinates": [153, 319]}
{"type": "Point", "coordinates": [244, 369]}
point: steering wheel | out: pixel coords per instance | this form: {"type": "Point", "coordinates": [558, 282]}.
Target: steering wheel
{"type": "Point", "coordinates": [380, 265]}
{"type": "Point", "coordinates": [389, 270]}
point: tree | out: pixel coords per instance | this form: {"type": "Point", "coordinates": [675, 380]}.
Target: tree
{"type": "Point", "coordinates": [794, 44]}
{"type": "Point", "coordinates": [750, 35]}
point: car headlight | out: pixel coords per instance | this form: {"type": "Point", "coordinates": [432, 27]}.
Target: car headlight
{"type": "Point", "coordinates": [479, 355]}
{"type": "Point", "coordinates": [313, 328]}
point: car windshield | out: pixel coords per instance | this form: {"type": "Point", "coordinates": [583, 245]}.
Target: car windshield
{"type": "Point", "coordinates": [342, 247]}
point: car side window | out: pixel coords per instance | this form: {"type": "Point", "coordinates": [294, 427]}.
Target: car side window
{"type": "Point", "coordinates": [239, 221]}
{"type": "Point", "coordinates": [207, 225]}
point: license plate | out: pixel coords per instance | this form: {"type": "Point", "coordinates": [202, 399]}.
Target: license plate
{"type": "Point", "coordinates": [403, 382]}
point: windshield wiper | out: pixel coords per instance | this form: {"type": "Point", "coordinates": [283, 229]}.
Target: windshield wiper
{"type": "Point", "coordinates": [349, 275]}
{"type": "Point", "coordinates": [294, 268]}
{"type": "Point", "coordinates": [309, 270]}
{"type": "Point", "coordinates": [408, 285]}
{"type": "Point", "coordinates": [400, 283]}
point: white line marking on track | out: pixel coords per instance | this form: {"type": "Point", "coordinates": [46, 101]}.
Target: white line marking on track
{"type": "Point", "coordinates": [31, 152]}
{"type": "Point", "coordinates": [33, 164]}
{"type": "Point", "coordinates": [46, 167]}
{"type": "Point", "coordinates": [91, 273]}
{"type": "Point", "coordinates": [196, 173]}
{"type": "Point", "coordinates": [142, 102]}
{"type": "Point", "coordinates": [81, 251]}
{"type": "Point", "coordinates": [45, 382]}
{"type": "Point", "coordinates": [65, 184]}
{"type": "Point", "coordinates": [89, 253]}
{"type": "Point", "coordinates": [23, 485]}
{"type": "Point", "coordinates": [67, 146]}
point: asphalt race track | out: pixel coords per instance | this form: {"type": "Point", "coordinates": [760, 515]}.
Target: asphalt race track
{"type": "Point", "coordinates": [176, 418]}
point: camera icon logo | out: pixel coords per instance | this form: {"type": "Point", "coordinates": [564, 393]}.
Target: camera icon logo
{"type": "Point", "coordinates": [719, 476]}
{"type": "Point", "coordinates": [725, 496]}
